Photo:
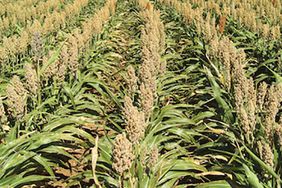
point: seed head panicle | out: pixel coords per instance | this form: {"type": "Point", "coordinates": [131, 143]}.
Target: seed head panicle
{"type": "Point", "coordinates": [150, 55]}
{"type": "Point", "coordinates": [81, 41]}
{"type": "Point", "coordinates": [154, 156]}
{"type": "Point", "coordinates": [244, 121]}
{"type": "Point", "coordinates": [222, 22]}
{"type": "Point", "coordinates": [278, 131]}
{"type": "Point", "coordinates": [16, 97]}
{"type": "Point", "coordinates": [3, 116]}
{"type": "Point", "coordinates": [251, 103]}
{"type": "Point", "coordinates": [224, 50]}
{"type": "Point", "coordinates": [275, 32]}
{"type": "Point", "coordinates": [261, 93]}
{"type": "Point", "coordinates": [271, 107]}
{"type": "Point", "coordinates": [243, 88]}
{"type": "Point", "coordinates": [147, 77]}
{"type": "Point", "coordinates": [278, 90]}
{"type": "Point", "coordinates": [135, 121]}
{"type": "Point", "coordinates": [266, 153]}
{"type": "Point", "coordinates": [3, 54]}
{"type": "Point", "coordinates": [10, 45]}
{"type": "Point", "coordinates": [265, 30]}
{"type": "Point", "coordinates": [36, 27]}
{"type": "Point", "coordinates": [112, 6]}
{"type": "Point", "coordinates": [153, 40]}
{"type": "Point", "coordinates": [23, 42]}
{"type": "Point", "coordinates": [279, 135]}
{"type": "Point", "coordinates": [122, 154]}
{"type": "Point", "coordinates": [207, 26]}
{"type": "Point", "coordinates": [239, 84]}
{"type": "Point", "coordinates": [98, 23]}
{"type": "Point", "coordinates": [32, 81]}
{"type": "Point", "coordinates": [147, 99]}
{"type": "Point", "coordinates": [131, 80]}
{"type": "Point", "coordinates": [2, 110]}
{"type": "Point", "coordinates": [37, 46]}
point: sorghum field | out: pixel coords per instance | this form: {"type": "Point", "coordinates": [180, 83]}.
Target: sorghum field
{"type": "Point", "coordinates": [141, 94]}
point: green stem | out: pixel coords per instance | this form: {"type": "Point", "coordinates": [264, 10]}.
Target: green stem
{"type": "Point", "coordinates": [262, 164]}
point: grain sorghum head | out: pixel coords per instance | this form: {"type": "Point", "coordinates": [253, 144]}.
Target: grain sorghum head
{"type": "Point", "coordinates": [275, 32]}
{"type": "Point", "coordinates": [135, 121]}
{"type": "Point", "coordinates": [3, 118]}
{"type": "Point", "coordinates": [23, 42]}
{"type": "Point", "coordinates": [3, 54]}
{"type": "Point", "coordinates": [265, 30]}
{"type": "Point", "coordinates": [244, 120]}
{"type": "Point", "coordinates": [148, 78]}
{"type": "Point", "coordinates": [278, 90]}
{"type": "Point", "coordinates": [37, 46]}
{"type": "Point", "coordinates": [251, 103]}
{"type": "Point", "coordinates": [153, 40]}
{"type": "Point", "coordinates": [261, 93]}
{"type": "Point", "coordinates": [36, 27]}
{"type": "Point", "coordinates": [149, 53]}
{"type": "Point", "coordinates": [278, 133]}
{"type": "Point", "coordinates": [32, 82]}
{"type": "Point", "coordinates": [146, 99]}
{"type": "Point", "coordinates": [16, 97]}
{"type": "Point", "coordinates": [266, 153]}
{"type": "Point", "coordinates": [131, 80]}
{"type": "Point", "coordinates": [77, 33]}
{"type": "Point", "coordinates": [154, 156]}
{"type": "Point", "coordinates": [122, 154]}
{"type": "Point", "coordinates": [2, 110]}
{"type": "Point", "coordinates": [271, 107]}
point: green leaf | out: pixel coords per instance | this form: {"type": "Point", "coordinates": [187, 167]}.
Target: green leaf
{"type": "Point", "coordinates": [252, 178]}
{"type": "Point", "coordinates": [217, 95]}
{"type": "Point", "coordinates": [52, 60]}
{"type": "Point", "coordinates": [214, 184]}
